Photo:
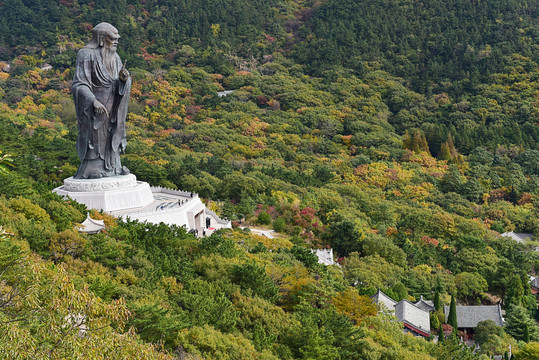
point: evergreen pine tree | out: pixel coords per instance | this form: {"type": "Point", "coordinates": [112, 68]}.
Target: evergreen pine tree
{"type": "Point", "coordinates": [424, 144]}
{"type": "Point", "coordinates": [417, 142]}
{"type": "Point", "coordinates": [441, 336]}
{"type": "Point", "coordinates": [400, 292]}
{"type": "Point", "coordinates": [519, 325]}
{"type": "Point", "coordinates": [406, 141]}
{"type": "Point", "coordinates": [515, 291]}
{"type": "Point", "coordinates": [437, 304]}
{"type": "Point", "coordinates": [451, 145]}
{"type": "Point", "coordinates": [434, 320]}
{"type": "Point", "coordinates": [452, 317]}
{"type": "Point", "coordinates": [445, 153]}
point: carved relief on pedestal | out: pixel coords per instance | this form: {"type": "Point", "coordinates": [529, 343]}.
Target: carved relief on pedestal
{"type": "Point", "coordinates": [103, 184]}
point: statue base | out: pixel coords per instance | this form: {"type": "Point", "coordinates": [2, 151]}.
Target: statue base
{"type": "Point", "coordinates": [108, 194]}
{"type": "Point", "coordinates": [125, 197]}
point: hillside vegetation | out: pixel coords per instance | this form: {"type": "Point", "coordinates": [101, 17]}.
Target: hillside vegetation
{"type": "Point", "coordinates": [401, 134]}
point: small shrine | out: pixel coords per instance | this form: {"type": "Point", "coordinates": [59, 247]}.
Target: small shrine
{"type": "Point", "coordinates": [91, 226]}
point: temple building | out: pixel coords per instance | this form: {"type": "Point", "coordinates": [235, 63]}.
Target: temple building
{"type": "Point", "coordinates": [415, 319]}
{"type": "Point", "coordinates": [469, 316]}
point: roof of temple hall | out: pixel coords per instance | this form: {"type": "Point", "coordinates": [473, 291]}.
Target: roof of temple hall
{"type": "Point", "coordinates": [469, 316]}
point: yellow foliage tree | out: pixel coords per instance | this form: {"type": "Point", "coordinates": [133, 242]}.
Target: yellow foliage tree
{"type": "Point", "coordinates": [43, 315]}
{"type": "Point", "coordinates": [353, 305]}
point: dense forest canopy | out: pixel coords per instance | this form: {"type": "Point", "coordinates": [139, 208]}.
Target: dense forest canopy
{"type": "Point", "coordinates": [404, 135]}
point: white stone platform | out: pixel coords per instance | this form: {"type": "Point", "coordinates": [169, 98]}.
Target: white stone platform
{"type": "Point", "coordinates": [125, 197]}
{"type": "Point", "coordinates": [175, 207]}
{"type": "Point", "coordinates": [108, 194]}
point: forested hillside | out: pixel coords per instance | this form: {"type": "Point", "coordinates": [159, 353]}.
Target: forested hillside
{"type": "Point", "coordinates": [404, 135]}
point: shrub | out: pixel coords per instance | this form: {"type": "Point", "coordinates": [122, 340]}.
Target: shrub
{"type": "Point", "coordinates": [279, 224]}
{"type": "Point", "coordinates": [264, 218]}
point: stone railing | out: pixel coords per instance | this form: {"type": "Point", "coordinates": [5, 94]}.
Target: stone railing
{"type": "Point", "coordinates": [186, 194]}
{"type": "Point", "coordinates": [217, 218]}
{"type": "Point", "coordinates": [189, 196]}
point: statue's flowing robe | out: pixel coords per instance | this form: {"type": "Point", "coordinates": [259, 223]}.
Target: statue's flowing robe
{"type": "Point", "coordinates": [101, 138]}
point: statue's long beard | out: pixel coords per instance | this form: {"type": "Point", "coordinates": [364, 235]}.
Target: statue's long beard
{"type": "Point", "coordinates": [109, 60]}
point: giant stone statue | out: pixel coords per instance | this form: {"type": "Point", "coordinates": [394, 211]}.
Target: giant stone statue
{"type": "Point", "coordinates": [101, 88]}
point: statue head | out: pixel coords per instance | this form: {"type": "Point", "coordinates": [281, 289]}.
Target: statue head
{"type": "Point", "coordinates": [104, 35]}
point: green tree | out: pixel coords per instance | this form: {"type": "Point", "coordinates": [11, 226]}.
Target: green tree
{"type": "Point", "coordinates": [452, 317]}
{"type": "Point", "coordinates": [470, 286]}
{"type": "Point", "coordinates": [529, 351]}
{"type": "Point", "coordinates": [344, 237]}
{"type": "Point", "coordinates": [486, 329]}
{"type": "Point", "coordinates": [354, 306]}
{"type": "Point", "coordinates": [279, 224]}
{"type": "Point", "coordinates": [437, 303]}
{"type": "Point", "coordinates": [212, 344]}
{"type": "Point", "coordinates": [153, 323]}
{"type": "Point", "coordinates": [67, 242]}
{"type": "Point", "coordinates": [445, 153]}
{"type": "Point", "coordinates": [60, 321]}
{"type": "Point", "coordinates": [434, 321]}
{"type": "Point", "coordinates": [254, 281]}
{"type": "Point", "coordinates": [400, 292]}
{"type": "Point", "coordinates": [264, 218]}
{"type": "Point", "coordinates": [441, 335]}
{"type": "Point", "coordinates": [373, 271]}
{"type": "Point", "coordinates": [519, 325]}
{"type": "Point", "coordinates": [452, 180]}
{"type": "Point", "coordinates": [472, 190]}
{"type": "Point", "coordinates": [515, 292]}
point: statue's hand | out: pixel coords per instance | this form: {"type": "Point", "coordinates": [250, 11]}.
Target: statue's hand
{"type": "Point", "coordinates": [100, 108]}
{"type": "Point", "coordinates": [123, 74]}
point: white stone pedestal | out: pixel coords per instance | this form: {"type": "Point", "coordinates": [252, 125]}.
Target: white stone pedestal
{"type": "Point", "coordinates": [108, 194]}
{"type": "Point", "coordinates": [125, 197]}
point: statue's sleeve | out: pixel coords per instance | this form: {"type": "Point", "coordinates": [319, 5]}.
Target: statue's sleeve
{"type": "Point", "coordinates": [119, 138]}
{"type": "Point", "coordinates": [83, 98]}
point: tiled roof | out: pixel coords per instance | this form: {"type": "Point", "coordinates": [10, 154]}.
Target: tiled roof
{"type": "Point", "coordinates": [91, 226]}
{"type": "Point", "coordinates": [382, 299]}
{"type": "Point", "coordinates": [325, 256]}
{"type": "Point", "coordinates": [469, 316]}
{"type": "Point", "coordinates": [426, 305]}
{"type": "Point", "coordinates": [412, 315]}
{"type": "Point", "coordinates": [518, 237]}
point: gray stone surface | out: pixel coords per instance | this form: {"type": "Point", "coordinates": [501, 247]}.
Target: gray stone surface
{"type": "Point", "coordinates": [134, 197]}
{"type": "Point", "coordinates": [520, 238]}
{"type": "Point", "coordinates": [174, 207]}
{"type": "Point", "coordinates": [103, 184]}
{"type": "Point", "coordinates": [263, 232]}
{"type": "Point", "coordinates": [101, 87]}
